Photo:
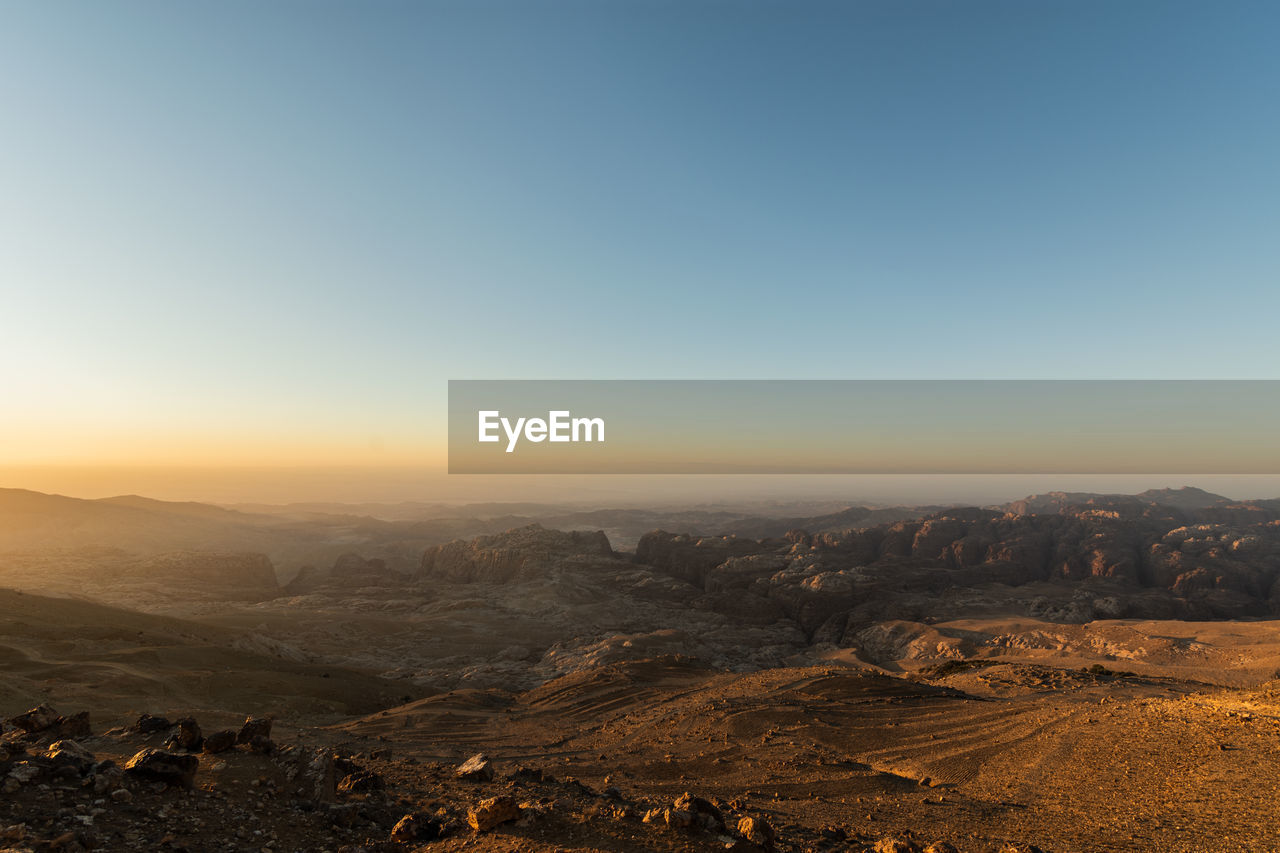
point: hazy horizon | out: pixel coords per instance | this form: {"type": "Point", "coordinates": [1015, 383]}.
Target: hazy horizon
{"type": "Point", "coordinates": [353, 485]}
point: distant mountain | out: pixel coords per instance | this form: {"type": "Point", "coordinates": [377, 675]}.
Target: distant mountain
{"type": "Point", "coordinates": [1187, 497]}
{"type": "Point", "coordinates": [402, 511]}
{"type": "Point", "coordinates": [36, 522]}
{"type": "Point", "coordinates": [846, 519]}
{"type": "Point", "coordinates": [186, 508]}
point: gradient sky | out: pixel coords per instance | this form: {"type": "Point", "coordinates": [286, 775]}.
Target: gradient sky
{"type": "Point", "coordinates": [256, 232]}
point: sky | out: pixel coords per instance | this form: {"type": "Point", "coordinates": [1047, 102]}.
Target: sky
{"type": "Point", "coordinates": [246, 233]}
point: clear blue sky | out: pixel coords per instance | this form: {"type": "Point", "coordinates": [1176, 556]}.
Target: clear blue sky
{"type": "Point", "coordinates": [301, 215]}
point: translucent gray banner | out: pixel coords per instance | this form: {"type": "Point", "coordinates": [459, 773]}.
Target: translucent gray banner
{"type": "Point", "coordinates": [863, 427]}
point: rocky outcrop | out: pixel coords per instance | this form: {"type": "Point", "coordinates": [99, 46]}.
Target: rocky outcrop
{"type": "Point", "coordinates": [355, 570]}
{"type": "Point", "coordinates": [349, 571]}
{"type": "Point", "coordinates": [308, 579]}
{"type": "Point", "coordinates": [519, 554]}
{"type": "Point", "coordinates": [692, 558]}
{"type": "Point", "coordinates": [236, 577]}
{"type": "Point", "coordinates": [1197, 557]}
{"type": "Point", "coordinates": [46, 724]}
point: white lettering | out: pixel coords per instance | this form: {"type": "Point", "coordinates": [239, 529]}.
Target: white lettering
{"type": "Point", "coordinates": [559, 426]}
{"type": "Point", "coordinates": [559, 421]}
{"type": "Point", "coordinates": [486, 424]}
{"type": "Point", "coordinates": [587, 424]}
{"type": "Point", "coordinates": [513, 435]}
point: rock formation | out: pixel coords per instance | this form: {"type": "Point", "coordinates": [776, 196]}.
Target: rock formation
{"type": "Point", "coordinates": [521, 553]}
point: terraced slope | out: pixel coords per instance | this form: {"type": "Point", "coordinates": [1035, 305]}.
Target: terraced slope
{"type": "Point", "coordinates": [1066, 759]}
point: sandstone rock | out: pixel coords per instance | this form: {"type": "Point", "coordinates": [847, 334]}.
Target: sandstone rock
{"type": "Point", "coordinates": [68, 752]}
{"type": "Point", "coordinates": [475, 769]}
{"type": "Point", "coordinates": [38, 719]}
{"type": "Point", "coordinates": [254, 727]}
{"type": "Point", "coordinates": [492, 812]}
{"type": "Point", "coordinates": [147, 724]}
{"type": "Point", "coordinates": [157, 765]}
{"type": "Point", "coordinates": [354, 570]}
{"type": "Point", "coordinates": [692, 558]}
{"type": "Point", "coordinates": [219, 741]}
{"type": "Point", "coordinates": [77, 725]}
{"type": "Point", "coordinates": [417, 827]}
{"type": "Point", "coordinates": [320, 777]}
{"type": "Point", "coordinates": [757, 830]}
{"type": "Point", "coordinates": [360, 782]}
{"type": "Point", "coordinates": [933, 538]}
{"type": "Point", "coordinates": [24, 772]}
{"type": "Point", "coordinates": [262, 745]}
{"type": "Point", "coordinates": [11, 748]}
{"type": "Point", "coordinates": [519, 553]}
{"type": "Point", "coordinates": [896, 845]}
{"type": "Point", "coordinates": [739, 573]}
{"type": "Point", "coordinates": [308, 579]}
{"type": "Point", "coordinates": [187, 735]}
{"type": "Point", "coordinates": [705, 815]}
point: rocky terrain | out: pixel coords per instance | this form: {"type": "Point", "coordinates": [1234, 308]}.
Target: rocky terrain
{"type": "Point", "coordinates": [1069, 672]}
{"type": "Point", "coordinates": [667, 755]}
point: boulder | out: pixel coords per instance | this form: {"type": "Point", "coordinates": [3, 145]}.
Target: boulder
{"type": "Point", "coordinates": [68, 752]}
{"type": "Point", "coordinates": [360, 782]}
{"type": "Point", "coordinates": [493, 812]}
{"type": "Point", "coordinates": [475, 769]}
{"type": "Point", "coordinates": [77, 725]}
{"type": "Point", "coordinates": [157, 765]}
{"type": "Point", "coordinates": [147, 724]}
{"type": "Point", "coordinates": [758, 831]}
{"type": "Point", "coordinates": [186, 735]}
{"type": "Point", "coordinates": [254, 727]}
{"type": "Point", "coordinates": [320, 777]}
{"type": "Point", "coordinates": [219, 741]}
{"type": "Point", "coordinates": [705, 815]}
{"type": "Point", "coordinates": [417, 827]}
{"type": "Point", "coordinates": [262, 745]}
{"type": "Point", "coordinates": [38, 719]}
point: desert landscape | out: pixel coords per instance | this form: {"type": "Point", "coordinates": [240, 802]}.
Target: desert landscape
{"type": "Point", "coordinates": [1066, 672]}
{"type": "Point", "coordinates": [643, 426]}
